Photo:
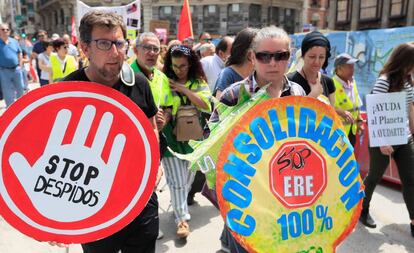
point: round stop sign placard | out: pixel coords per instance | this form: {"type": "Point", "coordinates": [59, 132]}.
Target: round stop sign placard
{"type": "Point", "coordinates": [78, 162]}
{"type": "Point", "coordinates": [287, 180]}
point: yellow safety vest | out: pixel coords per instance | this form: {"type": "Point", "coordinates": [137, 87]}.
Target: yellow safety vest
{"type": "Point", "coordinates": [343, 102]}
{"type": "Point", "coordinates": [57, 72]}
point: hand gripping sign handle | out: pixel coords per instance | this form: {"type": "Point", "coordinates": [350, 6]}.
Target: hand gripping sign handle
{"type": "Point", "coordinates": [65, 206]}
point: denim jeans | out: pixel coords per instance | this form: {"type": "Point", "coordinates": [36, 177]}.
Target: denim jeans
{"type": "Point", "coordinates": [11, 84]}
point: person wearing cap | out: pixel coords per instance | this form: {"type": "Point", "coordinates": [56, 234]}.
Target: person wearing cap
{"type": "Point", "coordinates": [346, 95]}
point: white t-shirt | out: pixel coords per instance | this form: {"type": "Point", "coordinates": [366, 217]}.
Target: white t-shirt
{"type": "Point", "coordinates": [212, 66]}
{"type": "Point", "coordinates": [44, 74]}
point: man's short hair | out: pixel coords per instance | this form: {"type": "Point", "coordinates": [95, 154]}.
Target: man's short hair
{"type": "Point", "coordinates": [41, 31]}
{"type": "Point", "coordinates": [97, 18]}
{"type": "Point", "coordinates": [203, 48]}
{"type": "Point", "coordinates": [223, 45]}
{"type": "Point", "coordinates": [143, 36]}
{"type": "Point", "coordinates": [58, 43]}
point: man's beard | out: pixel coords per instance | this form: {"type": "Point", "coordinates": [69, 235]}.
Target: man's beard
{"type": "Point", "coordinates": [110, 74]}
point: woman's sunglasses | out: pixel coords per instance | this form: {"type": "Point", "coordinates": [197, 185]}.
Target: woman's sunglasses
{"type": "Point", "coordinates": [265, 57]}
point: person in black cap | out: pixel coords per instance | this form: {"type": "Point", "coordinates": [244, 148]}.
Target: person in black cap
{"type": "Point", "coordinates": [346, 96]}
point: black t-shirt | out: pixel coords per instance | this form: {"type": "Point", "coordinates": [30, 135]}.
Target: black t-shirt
{"type": "Point", "coordinates": [327, 83]}
{"type": "Point", "coordinates": [139, 93]}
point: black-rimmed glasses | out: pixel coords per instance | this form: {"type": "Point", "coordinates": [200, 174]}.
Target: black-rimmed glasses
{"type": "Point", "coordinates": [150, 48]}
{"type": "Point", "coordinates": [104, 44]}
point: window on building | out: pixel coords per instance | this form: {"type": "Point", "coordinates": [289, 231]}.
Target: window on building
{"type": "Point", "coordinates": [234, 18]}
{"type": "Point", "coordinates": [343, 11]}
{"type": "Point", "coordinates": [288, 17]}
{"type": "Point", "coordinates": [166, 13]}
{"type": "Point", "coordinates": [398, 8]}
{"type": "Point", "coordinates": [211, 18]}
{"type": "Point", "coordinates": [273, 15]}
{"type": "Point", "coordinates": [315, 4]}
{"type": "Point", "coordinates": [235, 7]}
{"type": "Point", "coordinates": [62, 17]}
{"type": "Point", "coordinates": [255, 14]}
{"type": "Point", "coordinates": [370, 9]}
{"type": "Point", "coordinates": [165, 10]}
{"type": "Point", "coordinates": [56, 17]}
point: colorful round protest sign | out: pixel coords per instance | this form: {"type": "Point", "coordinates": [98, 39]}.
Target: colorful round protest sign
{"type": "Point", "coordinates": [78, 162]}
{"type": "Point", "coordinates": [287, 179]}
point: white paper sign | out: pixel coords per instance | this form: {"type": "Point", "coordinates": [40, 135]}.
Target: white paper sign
{"type": "Point", "coordinates": [387, 119]}
{"type": "Point", "coordinates": [130, 12]}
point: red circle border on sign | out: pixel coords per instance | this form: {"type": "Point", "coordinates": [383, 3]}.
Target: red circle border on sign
{"type": "Point", "coordinates": [50, 230]}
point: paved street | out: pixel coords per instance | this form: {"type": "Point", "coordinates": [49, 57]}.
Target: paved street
{"type": "Point", "coordinates": [392, 234]}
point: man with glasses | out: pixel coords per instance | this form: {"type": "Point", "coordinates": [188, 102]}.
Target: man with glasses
{"type": "Point", "coordinates": [11, 78]}
{"type": "Point", "coordinates": [147, 51]}
{"type": "Point", "coordinates": [204, 38]}
{"type": "Point", "coordinates": [102, 36]}
{"type": "Point", "coordinates": [38, 48]}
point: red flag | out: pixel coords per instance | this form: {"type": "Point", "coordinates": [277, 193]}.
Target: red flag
{"type": "Point", "coordinates": [185, 26]}
{"type": "Point", "coordinates": [74, 36]}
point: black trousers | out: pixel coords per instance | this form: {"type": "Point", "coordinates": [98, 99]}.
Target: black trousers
{"type": "Point", "coordinates": [404, 158]}
{"type": "Point", "coordinates": [137, 237]}
{"type": "Point", "coordinates": [198, 183]}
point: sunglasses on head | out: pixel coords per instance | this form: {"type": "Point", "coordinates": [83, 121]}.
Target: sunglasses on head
{"type": "Point", "coordinates": [183, 49]}
{"type": "Point", "coordinates": [266, 57]}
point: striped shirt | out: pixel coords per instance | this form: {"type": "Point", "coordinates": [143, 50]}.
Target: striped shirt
{"type": "Point", "coordinates": [382, 86]}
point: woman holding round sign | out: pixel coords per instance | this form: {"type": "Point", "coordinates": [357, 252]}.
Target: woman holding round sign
{"type": "Point", "coordinates": [270, 54]}
{"type": "Point", "coordinates": [191, 95]}
{"type": "Point", "coordinates": [395, 76]}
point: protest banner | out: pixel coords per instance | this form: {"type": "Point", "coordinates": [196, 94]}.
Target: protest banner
{"type": "Point", "coordinates": [371, 47]}
{"type": "Point", "coordinates": [286, 177]}
{"type": "Point", "coordinates": [78, 162]}
{"type": "Point", "coordinates": [130, 12]}
{"type": "Point", "coordinates": [387, 114]}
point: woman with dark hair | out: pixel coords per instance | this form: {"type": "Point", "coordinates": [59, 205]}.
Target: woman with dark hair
{"type": "Point", "coordinates": [44, 62]}
{"type": "Point", "coordinates": [188, 84]}
{"type": "Point", "coordinates": [316, 50]}
{"type": "Point", "coordinates": [395, 76]}
{"type": "Point", "coordinates": [239, 65]}
{"type": "Point", "coordinates": [61, 63]}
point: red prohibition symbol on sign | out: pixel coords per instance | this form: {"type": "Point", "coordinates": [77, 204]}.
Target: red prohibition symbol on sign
{"type": "Point", "coordinates": [297, 174]}
{"type": "Point", "coordinates": [78, 162]}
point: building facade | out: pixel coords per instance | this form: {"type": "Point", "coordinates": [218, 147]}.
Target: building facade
{"type": "Point", "coordinates": [20, 15]}
{"type": "Point", "coordinates": [370, 14]}
{"type": "Point", "coordinates": [219, 17]}
{"type": "Point", "coordinates": [316, 14]}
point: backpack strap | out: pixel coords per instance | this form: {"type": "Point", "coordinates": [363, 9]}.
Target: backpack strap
{"type": "Point", "coordinates": [182, 98]}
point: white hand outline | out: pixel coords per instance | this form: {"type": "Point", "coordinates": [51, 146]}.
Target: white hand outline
{"type": "Point", "coordinates": [62, 209]}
